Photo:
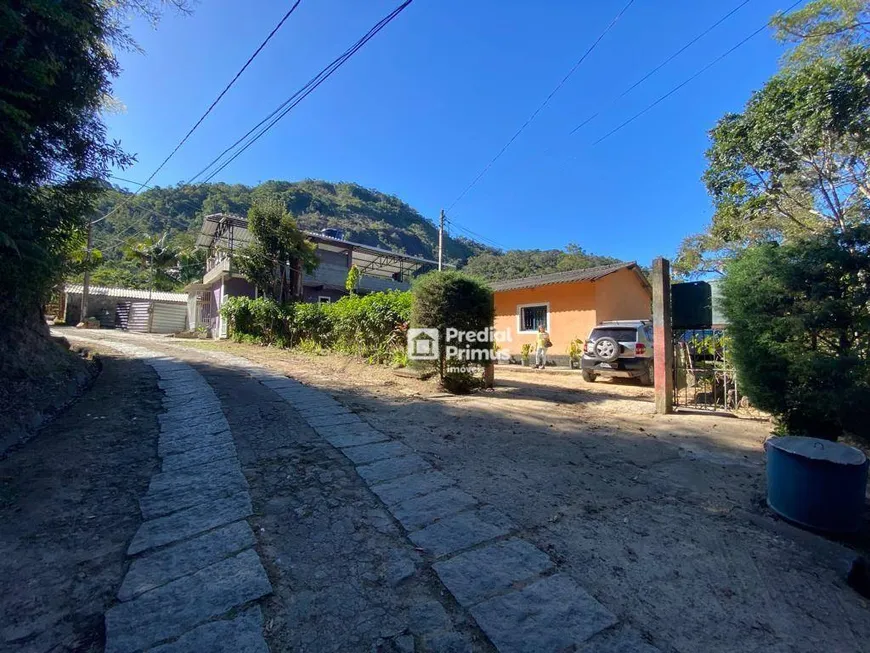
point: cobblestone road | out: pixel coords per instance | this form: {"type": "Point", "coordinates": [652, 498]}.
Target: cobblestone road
{"type": "Point", "coordinates": [366, 545]}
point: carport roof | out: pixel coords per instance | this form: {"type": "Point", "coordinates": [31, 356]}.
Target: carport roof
{"type": "Point", "coordinates": [587, 274]}
{"type": "Point", "coordinates": [127, 293]}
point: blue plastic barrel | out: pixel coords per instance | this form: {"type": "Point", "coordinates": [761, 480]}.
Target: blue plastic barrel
{"type": "Point", "coordinates": [816, 483]}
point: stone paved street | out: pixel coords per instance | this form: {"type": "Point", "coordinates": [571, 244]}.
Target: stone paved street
{"type": "Point", "coordinates": [195, 567]}
{"type": "Point", "coordinates": [366, 545]}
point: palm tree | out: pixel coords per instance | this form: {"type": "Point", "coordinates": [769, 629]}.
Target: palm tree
{"type": "Point", "coordinates": [153, 254]}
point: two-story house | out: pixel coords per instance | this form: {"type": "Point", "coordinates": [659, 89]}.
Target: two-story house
{"type": "Point", "coordinates": [223, 234]}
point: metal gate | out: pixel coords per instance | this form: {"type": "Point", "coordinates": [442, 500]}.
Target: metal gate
{"type": "Point", "coordinates": [704, 376]}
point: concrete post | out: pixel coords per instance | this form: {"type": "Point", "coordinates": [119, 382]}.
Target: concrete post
{"type": "Point", "coordinates": [663, 336]}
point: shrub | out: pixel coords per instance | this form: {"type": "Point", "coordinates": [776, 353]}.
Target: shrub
{"type": "Point", "coordinates": [260, 320]}
{"type": "Point", "coordinates": [449, 299]}
{"type": "Point", "coordinates": [371, 326]}
{"type": "Point", "coordinates": [800, 329]}
{"type": "Point", "coordinates": [461, 383]}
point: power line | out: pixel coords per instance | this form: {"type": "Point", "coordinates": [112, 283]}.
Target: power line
{"type": "Point", "coordinates": [227, 88]}
{"type": "Point", "coordinates": [130, 181]}
{"type": "Point", "coordinates": [692, 78]}
{"type": "Point", "coordinates": [209, 110]}
{"type": "Point", "coordinates": [661, 65]}
{"type": "Point", "coordinates": [473, 234]}
{"type": "Point", "coordinates": [290, 103]}
{"type": "Point", "coordinates": [541, 107]}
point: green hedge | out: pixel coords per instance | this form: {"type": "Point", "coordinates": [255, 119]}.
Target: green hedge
{"type": "Point", "coordinates": [369, 326]}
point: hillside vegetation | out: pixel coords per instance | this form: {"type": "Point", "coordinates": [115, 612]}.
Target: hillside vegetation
{"type": "Point", "coordinates": [364, 215]}
{"type": "Point", "coordinates": [517, 263]}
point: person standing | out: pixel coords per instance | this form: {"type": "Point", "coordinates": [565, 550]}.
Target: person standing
{"type": "Point", "coordinates": [542, 343]}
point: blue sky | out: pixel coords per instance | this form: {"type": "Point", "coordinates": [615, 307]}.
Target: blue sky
{"type": "Point", "coordinates": [430, 100]}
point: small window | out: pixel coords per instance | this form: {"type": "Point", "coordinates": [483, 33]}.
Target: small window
{"type": "Point", "coordinates": [323, 299]}
{"type": "Point", "coordinates": [532, 317]}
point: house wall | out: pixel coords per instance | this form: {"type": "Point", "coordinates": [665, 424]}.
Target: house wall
{"type": "Point", "coordinates": [338, 259]}
{"type": "Point", "coordinates": [237, 287]}
{"type": "Point", "coordinates": [313, 294]}
{"type": "Point", "coordinates": [572, 313]}
{"type": "Point", "coordinates": [622, 296]}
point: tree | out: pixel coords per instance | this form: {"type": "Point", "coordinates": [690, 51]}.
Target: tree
{"type": "Point", "coordinates": [276, 259]}
{"type": "Point", "coordinates": [793, 164]}
{"type": "Point", "coordinates": [352, 282]}
{"type": "Point", "coordinates": [823, 29]}
{"type": "Point", "coordinates": [160, 260]}
{"type": "Point", "coordinates": [799, 320]}
{"type": "Point", "coordinates": [55, 78]}
{"type": "Point", "coordinates": [54, 75]}
{"type": "Point", "coordinates": [517, 263]}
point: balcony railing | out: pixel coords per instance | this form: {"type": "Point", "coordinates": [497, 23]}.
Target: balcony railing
{"type": "Point", "coordinates": [336, 275]}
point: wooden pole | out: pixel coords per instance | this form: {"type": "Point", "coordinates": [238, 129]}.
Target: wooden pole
{"type": "Point", "coordinates": [663, 341]}
{"type": "Point", "coordinates": [86, 285]}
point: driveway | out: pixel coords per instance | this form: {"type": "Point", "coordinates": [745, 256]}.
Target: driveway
{"type": "Point", "coordinates": [649, 532]}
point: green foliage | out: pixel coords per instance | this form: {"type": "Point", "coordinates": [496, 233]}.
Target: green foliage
{"type": "Point", "coordinates": [526, 351]}
{"type": "Point", "coordinates": [452, 300]}
{"type": "Point", "coordinates": [800, 323]}
{"type": "Point", "coordinates": [275, 260]}
{"type": "Point", "coordinates": [823, 29]}
{"type": "Point", "coordinates": [369, 326]}
{"type": "Point", "coordinates": [54, 74]}
{"type": "Point", "coordinates": [793, 164]}
{"type": "Point", "coordinates": [461, 383]}
{"type": "Point", "coordinates": [352, 282]}
{"type": "Point", "coordinates": [514, 264]}
{"type": "Point", "coordinates": [157, 259]}
{"type": "Point", "coordinates": [575, 348]}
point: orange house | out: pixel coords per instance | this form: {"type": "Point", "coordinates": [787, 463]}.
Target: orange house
{"type": "Point", "coordinates": [569, 304]}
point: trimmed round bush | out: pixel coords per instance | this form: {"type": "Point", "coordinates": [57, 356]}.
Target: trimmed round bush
{"type": "Point", "coordinates": [452, 300]}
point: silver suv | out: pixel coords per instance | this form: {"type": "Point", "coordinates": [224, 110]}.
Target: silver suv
{"type": "Point", "coordinates": [622, 348]}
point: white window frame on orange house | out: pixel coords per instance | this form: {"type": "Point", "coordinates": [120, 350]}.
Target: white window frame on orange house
{"type": "Point", "coordinates": [520, 308]}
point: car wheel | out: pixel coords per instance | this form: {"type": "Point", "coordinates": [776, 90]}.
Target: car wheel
{"type": "Point", "coordinates": [588, 376]}
{"type": "Point", "coordinates": [606, 349]}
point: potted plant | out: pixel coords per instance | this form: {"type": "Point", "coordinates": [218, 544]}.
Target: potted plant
{"type": "Point", "coordinates": [575, 353]}
{"type": "Point", "coordinates": [525, 353]}
{"type": "Point", "coordinates": [494, 352]}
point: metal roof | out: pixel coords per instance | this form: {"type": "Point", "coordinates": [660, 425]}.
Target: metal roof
{"type": "Point", "coordinates": [127, 293]}
{"type": "Point", "coordinates": [210, 223]}
{"type": "Point", "coordinates": [371, 260]}
{"type": "Point", "coordinates": [587, 274]}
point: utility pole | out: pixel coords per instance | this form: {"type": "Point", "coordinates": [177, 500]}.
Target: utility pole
{"type": "Point", "coordinates": [86, 286]}
{"type": "Point", "coordinates": [441, 241]}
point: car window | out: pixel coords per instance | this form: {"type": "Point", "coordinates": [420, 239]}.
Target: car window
{"type": "Point", "coordinates": [620, 334]}
{"type": "Point", "coordinates": [648, 330]}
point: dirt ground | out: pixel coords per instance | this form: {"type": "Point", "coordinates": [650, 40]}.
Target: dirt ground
{"type": "Point", "coordinates": [661, 518]}
{"type": "Point", "coordinates": [68, 508]}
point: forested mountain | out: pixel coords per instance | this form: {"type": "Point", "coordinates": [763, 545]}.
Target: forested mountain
{"type": "Point", "coordinates": [364, 215]}
{"type": "Point", "coordinates": [516, 263]}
